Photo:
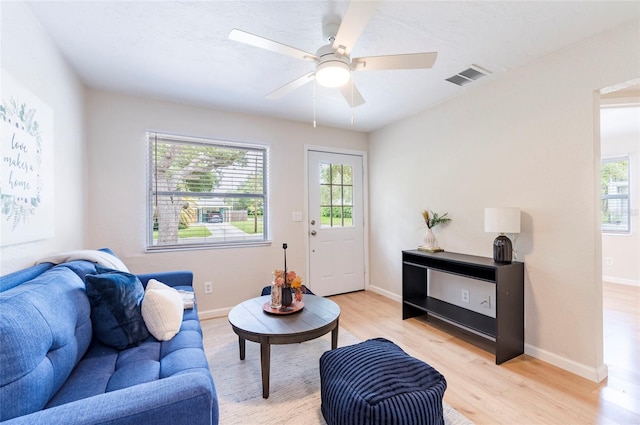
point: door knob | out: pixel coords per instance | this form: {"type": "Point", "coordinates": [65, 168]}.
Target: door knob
{"type": "Point", "coordinates": [313, 233]}
{"type": "Point", "coordinates": [313, 222]}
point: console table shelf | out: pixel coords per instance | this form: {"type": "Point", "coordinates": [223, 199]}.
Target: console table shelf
{"type": "Point", "coordinates": [506, 329]}
{"type": "Point", "coordinates": [477, 322]}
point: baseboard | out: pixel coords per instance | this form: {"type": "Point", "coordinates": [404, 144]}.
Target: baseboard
{"type": "Point", "coordinates": [212, 314]}
{"type": "Point", "coordinates": [597, 374]}
{"type": "Point", "coordinates": [384, 293]}
{"type": "Point", "coordinates": [223, 312]}
{"type": "Point", "coordinates": [621, 281]}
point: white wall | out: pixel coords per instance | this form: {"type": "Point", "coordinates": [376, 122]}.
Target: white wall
{"type": "Point", "coordinates": [30, 57]}
{"type": "Point", "coordinates": [530, 141]}
{"type": "Point", "coordinates": [624, 249]}
{"type": "Point", "coordinates": [117, 155]}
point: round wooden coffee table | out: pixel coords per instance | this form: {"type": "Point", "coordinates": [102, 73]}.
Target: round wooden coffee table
{"type": "Point", "coordinates": [250, 322]}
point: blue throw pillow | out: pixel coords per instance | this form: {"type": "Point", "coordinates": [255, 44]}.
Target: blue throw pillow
{"type": "Point", "coordinates": [115, 299]}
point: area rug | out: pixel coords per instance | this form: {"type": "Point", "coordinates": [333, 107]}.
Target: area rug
{"type": "Point", "coordinates": [294, 395]}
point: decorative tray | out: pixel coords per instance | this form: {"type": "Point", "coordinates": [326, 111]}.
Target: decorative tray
{"type": "Point", "coordinates": [294, 308]}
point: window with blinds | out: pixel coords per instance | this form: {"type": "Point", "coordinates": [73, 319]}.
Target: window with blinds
{"type": "Point", "coordinates": [205, 193]}
{"type": "Point", "coordinates": [614, 181]}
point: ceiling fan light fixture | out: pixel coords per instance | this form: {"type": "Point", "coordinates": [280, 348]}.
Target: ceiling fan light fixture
{"type": "Point", "coordinates": [333, 73]}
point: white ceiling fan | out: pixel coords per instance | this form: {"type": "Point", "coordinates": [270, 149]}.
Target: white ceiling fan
{"type": "Point", "coordinates": [333, 62]}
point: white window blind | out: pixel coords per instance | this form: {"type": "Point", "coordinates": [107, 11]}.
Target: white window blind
{"type": "Point", "coordinates": [205, 193]}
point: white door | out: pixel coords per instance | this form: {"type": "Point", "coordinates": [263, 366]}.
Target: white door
{"type": "Point", "coordinates": [336, 223]}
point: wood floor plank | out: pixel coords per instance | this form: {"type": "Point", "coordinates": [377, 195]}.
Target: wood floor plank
{"type": "Point", "coordinates": [524, 390]}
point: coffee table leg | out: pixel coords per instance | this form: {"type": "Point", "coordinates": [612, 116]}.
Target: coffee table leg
{"type": "Point", "coordinates": [334, 337]}
{"type": "Point", "coordinates": [265, 362]}
{"type": "Point", "coordinates": [242, 344]}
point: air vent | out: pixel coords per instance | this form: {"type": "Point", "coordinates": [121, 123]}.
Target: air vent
{"type": "Point", "coordinates": [469, 75]}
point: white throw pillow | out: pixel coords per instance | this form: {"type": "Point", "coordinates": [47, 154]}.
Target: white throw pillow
{"type": "Point", "coordinates": [162, 310]}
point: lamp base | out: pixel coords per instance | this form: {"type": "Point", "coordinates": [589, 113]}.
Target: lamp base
{"type": "Point", "coordinates": [502, 250]}
{"type": "Point", "coordinates": [430, 248]}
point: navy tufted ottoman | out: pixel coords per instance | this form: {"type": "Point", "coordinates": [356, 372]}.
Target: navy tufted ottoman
{"type": "Point", "coordinates": [376, 382]}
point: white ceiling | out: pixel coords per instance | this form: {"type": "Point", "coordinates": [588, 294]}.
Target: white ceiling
{"type": "Point", "coordinates": [179, 51]}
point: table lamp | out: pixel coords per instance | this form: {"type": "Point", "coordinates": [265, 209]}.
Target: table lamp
{"type": "Point", "coordinates": [502, 220]}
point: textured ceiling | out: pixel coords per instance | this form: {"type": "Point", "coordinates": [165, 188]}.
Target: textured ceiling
{"type": "Point", "coordinates": [179, 51]}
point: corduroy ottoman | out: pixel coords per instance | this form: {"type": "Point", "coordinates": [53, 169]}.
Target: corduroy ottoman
{"type": "Point", "coordinates": [376, 382]}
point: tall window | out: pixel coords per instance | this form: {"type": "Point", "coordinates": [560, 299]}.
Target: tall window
{"type": "Point", "coordinates": [615, 195]}
{"type": "Point", "coordinates": [205, 193]}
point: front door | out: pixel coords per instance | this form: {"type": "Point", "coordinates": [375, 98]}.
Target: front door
{"type": "Point", "coordinates": [336, 223]}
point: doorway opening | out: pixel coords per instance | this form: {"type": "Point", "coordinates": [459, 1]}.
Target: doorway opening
{"type": "Point", "coordinates": [620, 186]}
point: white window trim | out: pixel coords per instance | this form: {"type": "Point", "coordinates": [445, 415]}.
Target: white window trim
{"type": "Point", "coordinates": [266, 241]}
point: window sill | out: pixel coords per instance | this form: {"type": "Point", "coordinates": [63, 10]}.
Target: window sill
{"type": "Point", "coordinates": [170, 248]}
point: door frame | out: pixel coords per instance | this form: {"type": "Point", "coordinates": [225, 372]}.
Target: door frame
{"type": "Point", "coordinates": [365, 205]}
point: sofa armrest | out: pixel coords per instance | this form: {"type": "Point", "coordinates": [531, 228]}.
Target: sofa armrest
{"type": "Point", "coordinates": [173, 278]}
{"type": "Point", "coordinates": [188, 399]}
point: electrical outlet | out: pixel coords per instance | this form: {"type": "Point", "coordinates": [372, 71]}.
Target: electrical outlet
{"type": "Point", "coordinates": [208, 287]}
{"type": "Point", "coordinates": [487, 302]}
{"type": "Point", "coordinates": [465, 295]}
{"type": "Point", "coordinates": [609, 261]}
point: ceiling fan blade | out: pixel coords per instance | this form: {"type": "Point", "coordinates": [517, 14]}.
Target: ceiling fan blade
{"type": "Point", "coordinates": [407, 61]}
{"type": "Point", "coordinates": [355, 19]}
{"type": "Point", "coordinates": [351, 94]}
{"type": "Point", "coordinates": [291, 86]}
{"type": "Point", "coordinates": [274, 46]}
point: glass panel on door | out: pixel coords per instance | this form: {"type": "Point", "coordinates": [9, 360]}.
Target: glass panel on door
{"type": "Point", "coordinates": [336, 195]}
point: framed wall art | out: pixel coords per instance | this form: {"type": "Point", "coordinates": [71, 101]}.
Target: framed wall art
{"type": "Point", "coordinates": [26, 176]}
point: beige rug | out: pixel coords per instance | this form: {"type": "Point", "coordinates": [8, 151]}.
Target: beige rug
{"type": "Point", "coordinates": [294, 395]}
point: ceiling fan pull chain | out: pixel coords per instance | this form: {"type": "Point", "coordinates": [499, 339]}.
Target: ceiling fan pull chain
{"type": "Point", "coordinates": [352, 108]}
{"type": "Point", "coordinates": [314, 103]}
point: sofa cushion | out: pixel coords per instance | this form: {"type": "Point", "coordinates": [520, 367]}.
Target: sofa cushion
{"type": "Point", "coordinates": [104, 369]}
{"type": "Point", "coordinates": [162, 310]}
{"type": "Point", "coordinates": [46, 329]}
{"type": "Point", "coordinates": [115, 298]}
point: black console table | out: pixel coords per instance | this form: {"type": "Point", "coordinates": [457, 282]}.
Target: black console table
{"type": "Point", "coordinates": [506, 330]}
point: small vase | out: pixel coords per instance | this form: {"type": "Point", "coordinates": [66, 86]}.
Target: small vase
{"type": "Point", "coordinates": [287, 299]}
{"type": "Point", "coordinates": [430, 239]}
{"type": "Point", "coordinates": [276, 296]}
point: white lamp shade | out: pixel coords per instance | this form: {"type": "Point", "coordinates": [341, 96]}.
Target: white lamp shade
{"type": "Point", "coordinates": [502, 220]}
{"type": "Point", "coordinates": [333, 73]}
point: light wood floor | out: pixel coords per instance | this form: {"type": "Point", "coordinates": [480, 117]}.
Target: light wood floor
{"type": "Point", "coordinates": [523, 390]}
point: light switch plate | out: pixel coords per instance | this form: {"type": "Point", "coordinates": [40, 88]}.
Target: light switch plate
{"type": "Point", "coordinates": [296, 216]}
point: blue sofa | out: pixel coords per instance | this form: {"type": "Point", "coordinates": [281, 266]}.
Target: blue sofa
{"type": "Point", "coordinates": [54, 370]}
